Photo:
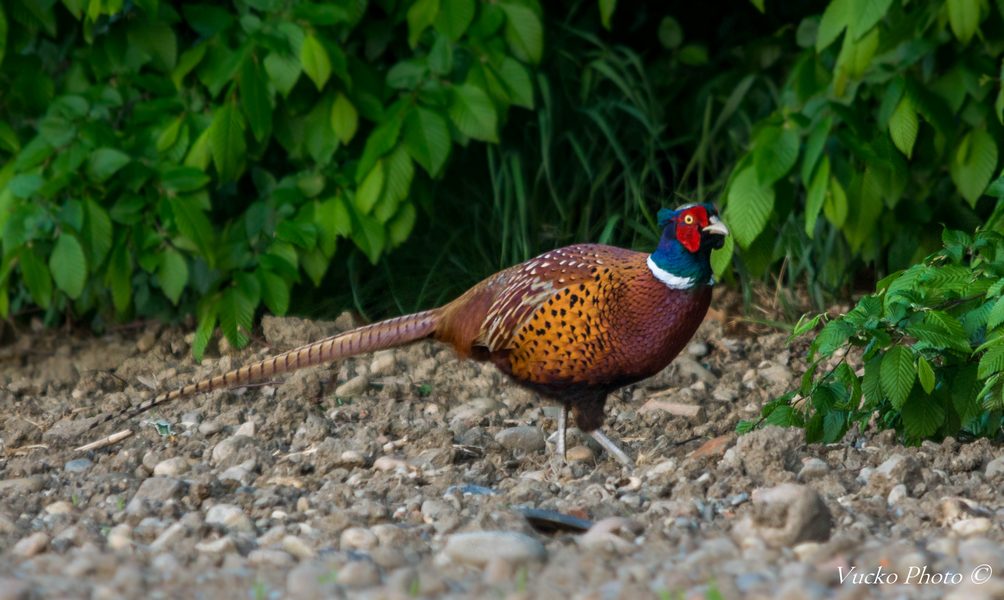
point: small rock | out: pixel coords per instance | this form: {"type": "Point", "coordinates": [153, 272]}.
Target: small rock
{"type": "Point", "coordinates": [230, 517]}
{"type": "Point", "coordinates": [78, 465]}
{"type": "Point", "coordinates": [787, 515]}
{"type": "Point", "coordinates": [471, 413]}
{"type": "Point", "coordinates": [813, 468]}
{"type": "Point", "coordinates": [686, 365]}
{"type": "Point", "coordinates": [153, 490]}
{"type": "Point", "coordinates": [579, 454]}
{"type": "Point", "coordinates": [480, 547]}
{"type": "Point", "coordinates": [383, 362]}
{"type": "Point", "coordinates": [498, 571]}
{"type": "Point", "coordinates": [525, 439]}
{"type": "Point", "coordinates": [61, 507]}
{"type": "Point", "coordinates": [390, 463]}
{"type": "Point", "coordinates": [971, 527]}
{"type": "Point", "coordinates": [311, 579]}
{"type": "Point", "coordinates": [190, 419]}
{"type": "Point", "coordinates": [168, 538]}
{"type": "Point", "coordinates": [777, 375]}
{"type": "Point", "coordinates": [146, 341]}
{"type": "Point", "coordinates": [697, 349]}
{"type": "Point", "coordinates": [210, 427]}
{"type": "Point", "coordinates": [953, 509]}
{"type": "Point", "coordinates": [613, 534]}
{"type": "Point", "coordinates": [714, 446]}
{"type": "Point", "coordinates": [352, 387]}
{"type": "Point", "coordinates": [995, 468]}
{"type": "Point", "coordinates": [274, 558]}
{"type": "Point", "coordinates": [297, 547]}
{"type": "Point", "coordinates": [120, 537]}
{"type": "Point", "coordinates": [223, 545]}
{"type": "Point", "coordinates": [31, 545]}
{"type": "Point", "coordinates": [896, 494]}
{"type": "Point", "coordinates": [171, 467]}
{"type": "Point", "coordinates": [22, 485]}
{"type": "Point", "coordinates": [165, 564]}
{"type": "Point", "coordinates": [246, 429]}
{"type": "Point", "coordinates": [896, 469]}
{"type": "Point", "coordinates": [226, 450]}
{"type": "Point", "coordinates": [350, 459]}
{"type": "Point", "coordinates": [358, 538]}
{"type": "Point", "coordinates": [358, 574]}
{"type": "Point", "coordinates": [241, 473]}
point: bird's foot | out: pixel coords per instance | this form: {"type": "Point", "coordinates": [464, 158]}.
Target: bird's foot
{"type": "Point", "coordinates": [559, 446]}
{"type": "Point", "coordinates": [612, 448]}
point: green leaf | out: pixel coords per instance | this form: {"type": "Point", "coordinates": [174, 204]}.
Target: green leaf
{"type": "Point", "coordinates": [172, 274]}
{"type": "Point", "coordinates": [255, 98]}
{"type": "Point", "coordinates": [105, 162]}
{"type": "Point", "coordinates": [399, 228]}
{"type": "Point", "coordinates": [835, 203]}
{"type": "Point", "coordinates": [750, 205]}
{"type": "Point", "coordinates": [992, 362]}
{"type": "Point", "coordinates": [236, 313]}
{"type": "Point", "coordinates": [898, 374]}
{"type": "Point", "coordinates": [867, 14]}
{"type": "Point", "coordinates": [816, 195]}
{"type": "Point", "coordinates": [834, 20]}
{"type": "Point", "coordinates": [516, 78]}
{"type": "Point", "coordinates": [36, 277]}
{"type": "Point", "coordinates": [922, 416]}
{"type": "Point", "coordinates": [775, 153]}
{"type": "Point", "coordinates": [903, 126]}
{"type": "Point", "coordinates": [25, 186]}
{"type": "Point", "coordinates": [523, 31]}
{"type": "Point", "coordinates": [369, 235]}
{"type": "Point", "coordinates": [370, 189]}
{"type": "Point", "coordinates": [118, 277]}
{"type": "Point", "coordinates": [227, 142]}
{"type": "Point", "coordinates": [283, 71]}
{"type": "Point", "coordinates": [973, 164]}
{"type": "Point", "coordinates": [420, 17]}
{"type": "Point", "coordinates": [427, 138]}
{"type": "Point", "coordinates": [97, 232]}
{"type": "Point", "coordinates": [316, 63]}
{"type": "Point", "coordinates": [964, 18]}
{"type": "Point", "coordinates": [455, 17]}
{"type": "Point", "coordinates": [607, 8]}
{"type": "Point", "coordinates": [193, 224]}
{"type": "Point", "coordinates": [183, 179]}
{"type": "Point", "coordinates": [344, 118]}
{"type": "Point", "coordinates": [3, 34]}
{"type": "Point", "coordinates": [925, 374]}
{"type": "Point", "coordinates": [473, 112]}
{"type": "Point", "coordinates": [68, 265]}
{"type": "Point", "coordinates": [721, 258]}
{"type": "Point", "coordinates": [274, 292]}
{"type": "Point", "coordinates": [996, 314]}
{"type": "Point", "coordinates": [207, 311]}
{"type": "Point", "coordinates": [169, 134]}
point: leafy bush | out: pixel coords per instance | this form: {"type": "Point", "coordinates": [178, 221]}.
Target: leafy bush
{"type": "Point", "coordinates": [208, 155]}
{"type": "Point", "coordinates": [931, 341]}
{"type": "Point", "coordinates": [886, 126]}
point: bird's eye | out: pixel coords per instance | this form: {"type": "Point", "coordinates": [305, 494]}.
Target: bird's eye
{"type": "Point", "coordinates": [689, 219]}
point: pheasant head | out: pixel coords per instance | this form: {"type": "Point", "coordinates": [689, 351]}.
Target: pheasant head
{"type": "Point", "coordinates": [689, 234]}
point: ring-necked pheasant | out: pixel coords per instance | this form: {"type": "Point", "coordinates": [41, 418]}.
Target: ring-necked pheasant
{"type": "Point", "coordinates": [572, 324]}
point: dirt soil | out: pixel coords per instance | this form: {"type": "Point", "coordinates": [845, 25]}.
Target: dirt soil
{"type": "Point", "coordinates": [409, 473]}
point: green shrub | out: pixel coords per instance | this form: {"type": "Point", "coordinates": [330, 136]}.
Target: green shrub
{"type": "Point", "coordinates": [931, 342]}
{"type": "Point", "coordinates": [887, 125]}
{"type": "Point", "coordinates": [208, 155]}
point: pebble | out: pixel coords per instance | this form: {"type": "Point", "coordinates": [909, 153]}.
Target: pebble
{"type": "Point", "coordinates": [524, 438]}
{"type": "Point", "coordinates": [383, 363]}
{"type": "Point", "coordinates": [227, 448]}
{"type": "Point", "coordinates": [778, 375]}
{"type": "Point", "coordinates": [169, 537]}
{"type": "Point", "coordinates": [223, 545]}
{"type": "Point", "coordinates": [896, 494]}
{"type": "Point", "coordinates": [479, 547]}
{"type": "Point", "coordinates": [813, 468]}
{"type": "Point", "coordinates": [14, 589]}
{"type": "Point", "coordinates": [971, 527]}
{"type": "Point", "coordinates": [579, 454]}
{"type": "Point", "coordinates": [246, 429]}
{"type": "Point", "coordinates": [896, 469]}
{"type": "Point", "coordinates": [390, 463]}
{"type": "Point", "coordinates": [352, 387]}
{"type": "Point", "coordinates": [698, 349]}
{"type": "Point", "coordinates": [78, 465]}
{"type": "Point", "coordinates": [313, 579]}
{"type": "Point", "coordinates": [357, 538]}
{"type": "Point", "coordinates": [31, 545]}
{"type": "Point", "coordinates": [297, 547]}
{"type": "Point", "coordinates": [120, 537]}
{"type": "Point", "coordinates": [210, 427]}
{"type": "Point", "coordinates": [350, 459]}
{"type": "Point", "coordinates": [241, 473]}
{"type": "Point", "coordinates": [190, 419]}
{"type": "Point", "coordinates": [171, 467]}
{"type": "Point", "coordinates": [470, 413]}
{"type": "Point", "coordinates": [153, 489]}
{"type": "Point", "coordinates": [230, 517]}
{"type": "Point", "coordinates": [274, 558]}
{"type": "Point", "coordinates": [61, 507]}
{"type": "Point", "coordinates": [787, 515]}
{"type": "Point", "coordinates": [358, 574]}
{"type": "Point", "coordinates": [22, 485]}
{"type": "Point", "coordinates": [995, 468]}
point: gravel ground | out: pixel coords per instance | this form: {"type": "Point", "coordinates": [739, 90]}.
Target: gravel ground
{"type": "Point", "coordinates": [411, 474]}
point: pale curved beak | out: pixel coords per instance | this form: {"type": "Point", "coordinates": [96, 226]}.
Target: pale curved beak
{"type": "Point", "coordinates": [716, 227]}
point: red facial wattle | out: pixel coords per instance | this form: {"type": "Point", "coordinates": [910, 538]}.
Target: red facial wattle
{"type": "Point", "coordinates": [688, 228]}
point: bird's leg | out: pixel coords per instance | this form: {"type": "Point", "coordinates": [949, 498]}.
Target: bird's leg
{"type": "Point", "coordinates": [612, 448]}
{"type": "Point", "coordinates": [562, 430]}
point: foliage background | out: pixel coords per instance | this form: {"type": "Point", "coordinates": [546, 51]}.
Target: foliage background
{"type": "Point", "coordinates": [159, 160]}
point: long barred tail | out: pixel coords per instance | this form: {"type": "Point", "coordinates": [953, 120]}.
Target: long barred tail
{"type": "Point", "coordinates": [369, 338]}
